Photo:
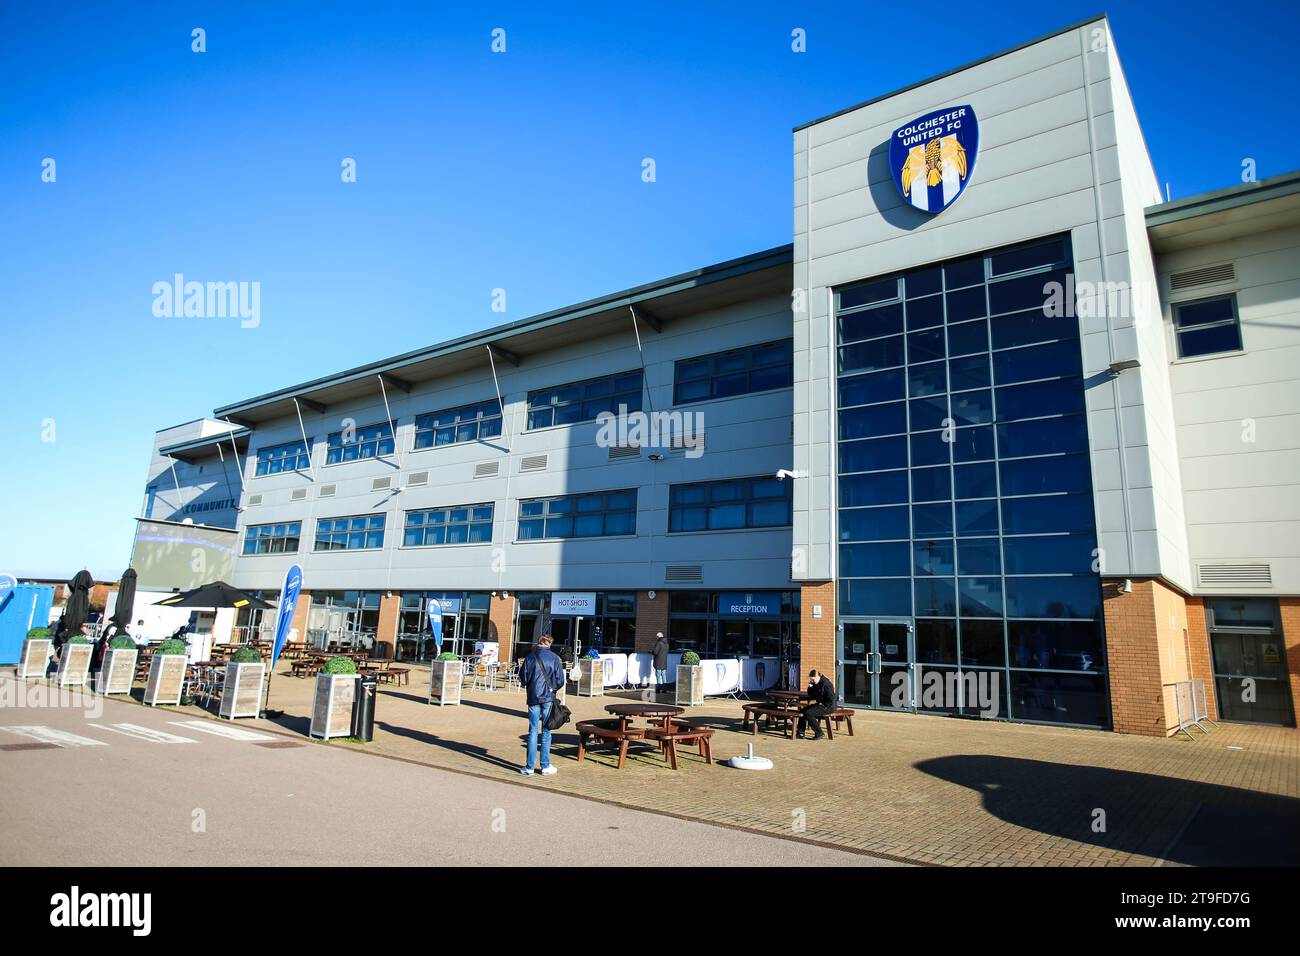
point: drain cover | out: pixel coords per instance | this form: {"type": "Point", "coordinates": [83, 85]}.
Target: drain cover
{"type": "Point", "coordinates": [279, 744]}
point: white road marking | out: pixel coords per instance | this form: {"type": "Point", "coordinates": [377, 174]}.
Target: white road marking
{"type": "Point", "coordinates": [221, 730]}
{"type": "Point", "coordinates": [146, 733]}
{"type": "Point", "coordinates": [48, 735]}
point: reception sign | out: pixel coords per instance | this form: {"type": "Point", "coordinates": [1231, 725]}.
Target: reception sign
{"type": "Point", "coordinates": [749, 604]}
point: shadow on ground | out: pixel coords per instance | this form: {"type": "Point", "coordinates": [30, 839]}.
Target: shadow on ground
{"type": "Point", "coordinates": [1180, 821]}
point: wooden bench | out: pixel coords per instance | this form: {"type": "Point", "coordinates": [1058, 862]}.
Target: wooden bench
{"type": "Point", "coordinates": [606, 731]}
{"type": "Point", "coordinates": [773, 714]}
{"type": "Point", "coordinates": [842, 715]}
{"type": "Point", "coordinates": [682, 732]}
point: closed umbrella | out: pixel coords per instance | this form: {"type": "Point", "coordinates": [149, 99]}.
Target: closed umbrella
{"type": "Point", "coordinates": [125, 599]}
{"type": "Point", "coordinates": [77, 608]}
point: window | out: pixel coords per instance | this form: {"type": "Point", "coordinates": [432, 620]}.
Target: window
{"type": "Point", "coordinates": [1207, 326]}
{"type": "Point", "coordinates": [755, 368]}
{"type": "Point", "coordinates": [721, 505]}
{"type": "Point", "coordinates": [272, 538]}
{"type": "Point", "coordinates": [454, 425]}
{"type": "Point", "coordinates": [599, 514]}
{"type": "Point", "coordinates": [462, 524]}
{"type": "Point", "coordinates": [583, 401]}
{"type": "Point", "coordinates": [373, 441]}
{"type": "Point", "coordinates": [350, 533]}
{"type": "Point", "coordinates": [291, 456]}
{"type": "Point", "coordinates": [965, 489]}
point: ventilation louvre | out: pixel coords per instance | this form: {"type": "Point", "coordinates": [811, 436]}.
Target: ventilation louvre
{"type": "Point", "coordinates": [684, 574]}
{"type": "Point", "coordinates": [254, 500]}
{"type": "Point", "coordinates": [381, 484]}
{"type": "Point", "coordinates": [679, 440]}
{"type": "Point", "coordinates": [327, 491]}
{"type": "Point", "coordinates": [298, 494]}
{"type": "Point", "coordinates": [624, 452]}
{"type": "Point", "coordinates": [487, 469]}
{"type": "Point", "coordinates": [1208, 275]}
{"type": "Point", "coordinates": [418, 478]}
{"type": "Point", "coordinates": [532, 463]}
{"type": "Point", "coordinates": [1234, 575]}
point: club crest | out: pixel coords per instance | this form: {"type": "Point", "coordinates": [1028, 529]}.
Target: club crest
{"type": "Point", "coordinates": [932, 157]}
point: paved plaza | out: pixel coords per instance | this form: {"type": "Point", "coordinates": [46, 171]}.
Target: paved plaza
{"type": "Point", "coordinates": [905, 788]}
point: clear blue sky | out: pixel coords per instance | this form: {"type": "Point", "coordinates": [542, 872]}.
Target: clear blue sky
{"type": "Point", "coordinates": [475, 171]}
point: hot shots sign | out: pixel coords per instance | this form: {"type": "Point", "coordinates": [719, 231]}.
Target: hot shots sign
{"type": "Point", "coordinates": [932, 157]}
{"type": "Point", "coordinates": [573, 603]}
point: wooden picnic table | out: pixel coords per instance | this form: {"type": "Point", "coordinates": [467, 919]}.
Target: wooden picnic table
{"type": "Point", "coordinates": [625, 712]}
{"type": "Point", "coordinates": [788, 698]}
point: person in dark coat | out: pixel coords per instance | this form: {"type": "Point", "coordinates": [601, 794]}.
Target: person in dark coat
{"type": "Point", "coordinates": [542, 674]}
{"type": "Point", "coordinates": [824, 702]}
{"type": "Point", "coordinates": [660, 655]}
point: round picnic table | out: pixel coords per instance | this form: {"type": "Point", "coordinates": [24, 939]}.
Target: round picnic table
{"type": "Point", "coordinates": [788, 698]}
{"type": "Point", "coordinates": [625, 712]}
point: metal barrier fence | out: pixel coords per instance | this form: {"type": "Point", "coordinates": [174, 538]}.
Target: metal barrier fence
{"type": "Point", "coordinates": [1192, 707]}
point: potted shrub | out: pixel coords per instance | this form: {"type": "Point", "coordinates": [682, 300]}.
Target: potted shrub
{"type": "Point", "coordinates": [117, 673]}
{"type": "Point", "coordinates": [591, 675]}
{"type": "Point", "coordinates": [241, 694]}
{"type": "Point", "coordinates": [690, 680]}
{"type": "Point", "coordinates": [166, 673]}
{"type": "Point", "coordinates": [336, 689]}
{"type": "Point", "coordinates": [35, 657]}
{"type": "Point", "coordinates": [74, 661]}
{"type": "Point", "coordinates": [446, 673]}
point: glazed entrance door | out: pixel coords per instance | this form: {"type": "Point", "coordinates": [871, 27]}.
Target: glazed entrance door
{"type": "Point", "coordinates": [876, 664]}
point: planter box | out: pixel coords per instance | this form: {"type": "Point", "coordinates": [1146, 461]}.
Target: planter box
{"type": "Point", "coordinates": [331, 712]}
{"type": "Point", "coordinates": [35, 657]}
{"type": "Point", "coordinates": [690, 685]}
{"type": "Point", "coordinates": [118, 673]}
{"type": "Point", "coordinates": [166, 679]}
{"type": "Point", "coordinates": [445, 678]}
{"type": "Point", "coordinates": [591, 677]}
{"type": "Point", "coordinates": [74, 664]}
{"type": "Point", "coordinates": [241, 695]}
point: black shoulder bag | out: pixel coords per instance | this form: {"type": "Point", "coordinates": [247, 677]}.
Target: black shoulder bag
{"type": "Point", "coordinates": [559, 715]}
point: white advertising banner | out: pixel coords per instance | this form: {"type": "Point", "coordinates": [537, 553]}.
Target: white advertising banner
{"type": "Point", "coordinates": [721, 676]}
{"type": "Point", "coordinates": [641, 668]}
{"type": "Point", "coordinates": [615, 669]}
{"type": "Point", "coordinates": [573, 603]}
{"type": "Point", "coordinates": [759, 673]}
{"type": "Point", "coordinates": [487, 651]}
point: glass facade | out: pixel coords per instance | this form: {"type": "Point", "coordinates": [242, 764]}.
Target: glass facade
{"type": "Point", "coordinates": [464, 621]}
{"type": "Point", "coordinates": [698, 622]}
{"type": "Point", "coordinates": [965, 493]}
{"type": "Point", "coordinates": [612, 630]}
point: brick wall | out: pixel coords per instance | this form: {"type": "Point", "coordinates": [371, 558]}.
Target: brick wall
{"type": "Point", "coordinates": [501, 624]}
{"type": "Point", "coordinates": [386, 631]}
{"type": "Point", "coordinates": [651, 618]}
{"type": "Point", "coordinates": [1198, 639]}
{"type": "Point", "coordinates": [1290, 607]}
{"type": "Point", "coordinates": [817, 635]}
{"type": "Point", "coordinates": [1133, 659]}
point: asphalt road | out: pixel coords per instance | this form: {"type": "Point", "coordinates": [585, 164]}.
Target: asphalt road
{"type": "Point", "coordinates": [94, 782]}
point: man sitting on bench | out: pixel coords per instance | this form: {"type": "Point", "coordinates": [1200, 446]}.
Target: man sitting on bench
{"type": "Point", "coordinates": [824, 701]}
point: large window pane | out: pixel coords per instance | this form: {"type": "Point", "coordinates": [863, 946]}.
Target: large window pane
{"type": "Point", "coordinates": [1064, 597]}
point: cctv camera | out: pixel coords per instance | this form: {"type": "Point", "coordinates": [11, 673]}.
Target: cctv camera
{"type": "Point", "coordinates": [785, 473]}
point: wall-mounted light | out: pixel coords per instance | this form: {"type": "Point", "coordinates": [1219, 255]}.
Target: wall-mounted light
{"type": "Point", "coordinates": [1123, 365]}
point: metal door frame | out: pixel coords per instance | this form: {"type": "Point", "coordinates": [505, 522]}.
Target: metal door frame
{"type": "Point", "coordinates": [876, 691]}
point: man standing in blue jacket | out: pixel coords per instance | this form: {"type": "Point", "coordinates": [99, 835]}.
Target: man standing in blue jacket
{"type": "Point", "coordinates": [542, 674]}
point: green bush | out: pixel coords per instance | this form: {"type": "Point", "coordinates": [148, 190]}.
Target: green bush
{"type": "Point", "coordinates": [339, 665]}
{"type": "Point", "coordinates": [121, 642]}
{"type": "Point", "coordinates": [78, 639]}
{"type": "Point", "coordinates": [173, 645]}
{"type": "Point", "coordinates": [39, 634]}
{"type": "Point", "coordinates": [246, 655]}
{"type": "Point", "coordinates": [690, 659]}
{"type": "Point", "coordinates": [446, 656]}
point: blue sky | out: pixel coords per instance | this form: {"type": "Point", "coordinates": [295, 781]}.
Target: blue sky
{"type": "Point", "coordinates": [474, 171]}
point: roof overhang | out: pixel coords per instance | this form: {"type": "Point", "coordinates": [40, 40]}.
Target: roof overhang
{"type": "Point", "coordinates": [211, 446]}
{"type": "Point", "coordinates": [1225, 214]}
{"type": "Point", "coordinates": [656, 303]}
